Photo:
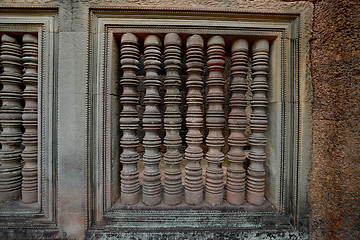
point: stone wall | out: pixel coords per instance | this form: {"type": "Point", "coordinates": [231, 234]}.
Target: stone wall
{"type": "Point", "coordinates": [335, 63]}
{"type": "Point", "coordinates": [334, 178]}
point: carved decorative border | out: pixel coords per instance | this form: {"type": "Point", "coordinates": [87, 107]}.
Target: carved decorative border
{"type": "Point", "coordinates": [20, 215]}
{"type": "Point", "coordinates": [287, 29]}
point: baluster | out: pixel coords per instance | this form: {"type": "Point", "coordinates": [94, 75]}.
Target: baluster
{"type": "Point", "coordinates": [152, 122]}
{"type": "Point", "coordinates": [194, 120]}
{"type": "Point", "coordinates": [258, 123]}
{"type": "Point", "coordinates": [172, 121]}
{"type": "Point", "coordinates": [30, 137]}
{"type": "Point", "coordinates": [235, 181]}
{"type": "Point", "coordinates": [215, 121]}
{"type": "Point", "coordinates": [11, 120]}
{"type": "Point", "coordinates": [129, 121]}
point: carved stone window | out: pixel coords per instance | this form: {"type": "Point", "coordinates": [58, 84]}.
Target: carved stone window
{"type": "Point", "coordinates": [27, 115]}
{"type": "Point", "coordinates": [19, 171]}
{"type": "Point", "coordinates": [205, 91]}
{"type": "Point", "coordinates": [195, 120]}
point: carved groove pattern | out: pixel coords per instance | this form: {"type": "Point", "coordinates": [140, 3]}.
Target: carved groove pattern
{"type": "Point", "coordinates": [30, 139]}
{"type": "Point", "coordinates": [152, 122]}
{"type": "Point", "coordinates": [194, 120]}
{"type": "Point", "coordinates": [258, 123]}
{"type": "Point", "coordinates": [172, 122]}
{"type": "Point", "coordinates": [10, 119]}
{"type": "Point", "coordinates": [235, 181]}
{"type": "Point", "coordinates": [129, 121]}
{"type": "Point", "coordinates": [215, 121]}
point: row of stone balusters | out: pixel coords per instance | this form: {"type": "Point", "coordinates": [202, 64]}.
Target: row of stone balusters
{"type": "Point", "coordinates": [18, 167]}
{"type": "Point", "coordinates": [215, 122]}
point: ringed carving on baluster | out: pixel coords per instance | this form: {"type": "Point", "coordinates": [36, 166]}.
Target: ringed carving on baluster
{"type": "Point", "coordinates": [215, 121]}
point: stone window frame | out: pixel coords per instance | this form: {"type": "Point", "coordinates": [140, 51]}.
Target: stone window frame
{"type": "Point", "coordinates": [289, 78]}
{"type": "Point", "coordinates": [40, 215]}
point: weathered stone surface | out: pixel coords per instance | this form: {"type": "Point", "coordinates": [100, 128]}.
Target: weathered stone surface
{"type": "Point", "coordinates": [194, 120]}
{"type": "Point", "coordinates": [205, 235]}
{"type": "Point", "coordinates": [173, 193]}
{"type": "Point", "coordinates": [215, 121]}
{"type": "Point", "coordinates": [334, 179]}
{"type": "Point", "coordinates": [235, 181]}
{"type": "Point", "coordinates": [152, 122]}
{"type": "Point", "coordinates": [334, 57]}
{"type": "Point", "coordinates": [10, 119]}
{"type": "Point", "coordinates": [255, 185]}
{"type": "Point", "coordinates": [30, 119]}
{"type": "Point", "coordinates": [129, 120]}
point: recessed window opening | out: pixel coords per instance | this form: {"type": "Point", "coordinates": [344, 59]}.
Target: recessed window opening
{"type": "Point", "coordinates": [192, 120]}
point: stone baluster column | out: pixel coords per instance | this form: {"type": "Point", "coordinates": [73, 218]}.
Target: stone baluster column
{"type": "Point", "coordinates": [129, 121]}
{"type": "Point", "coordinates": [215, 121]}
{"type": "Point", "coordinates": [235, 181]}
{"type": "Point", "coordinates": [173, 182]}
{"type": "Point", "coordinates": [30, 137]}
{"type": "Point", "coordinates": [152, 122]}
{"type": "Point", "coordinates": [194, 120]}
{"type": "Point", "coordinates": [258, 123]}
{"type": "Point", "coordinates": [10, 119]}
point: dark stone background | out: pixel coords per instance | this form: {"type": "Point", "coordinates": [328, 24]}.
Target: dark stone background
{"type": "Point", "coordinates": [335, 171]}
